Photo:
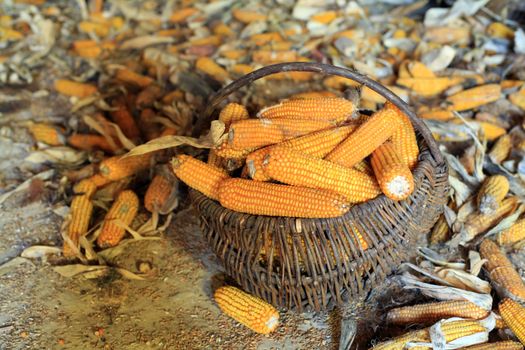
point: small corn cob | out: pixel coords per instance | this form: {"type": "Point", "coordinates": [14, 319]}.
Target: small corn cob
{"type": "Point", "coordinates": [514, 316]}
{"type": "Point", "coordinates": [90, 142]}
{"type": "Point", "coordinates": [254, 133]}
{"type": "Point", "coordinates": [475, 97]}
{"type": "Point", "coordinates": [294, 168]}
{"type": "Point", "coordinates": [433, 312]}
{"type": "Point", "coordinates": [501, 345]}
{"type": "Point", "coordinates": [225, 150]}
{"type": "Point", "coordinates": [404, 139]}
{"type": "Point", "coordinates": [203, 177]}
{"type": "Point", "coordinates": [501, 270]}
{"type": "Point", "coordinates": [47, 134]}
{"type": "Point", "coordinates": [209, 67]}
{"type": "Point", "coordinates": [363, 141]}
{"type": "Point", "coordinates": [392, 174]}
{"type": "Point", "coordinates": [123, 118]}
{"type": "Point", "coordinates": [501, 149]}
{"type": "Point", "coordinates": [99, 180]}
{"type": "Point", "coordinates": [262, 198]}
{"type": "Point", "coordinates": [131, 78]}
{"type": "Point", "coordinates": [73, 88]}
{"type": "Point", "coordinates": [122, 212]}
{"type": "Point", "coordinates": [247, 309]}
{"type": "Point", "coordinates": [116, 168]}
{"type": "Point", "coordinates": [232, 113]}
{"type": "Point", "coordinates": [491, 193]}
{"type": "Point", "coordinates": [161, 195]}
{"type": "Point", "coordinates": [441, 232]}
{"type": "Point", "coordinates": [513, 234]}
{"type": "Point", "coordinates": [478, 223]}
{"type": "Point", "coordinates": [328, 108]}
{"type": "Point", "coordinates": [81, 210]}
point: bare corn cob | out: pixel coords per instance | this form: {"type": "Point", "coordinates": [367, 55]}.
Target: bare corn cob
{"type": "Point", "coordinates": [232, 113]}
{"type": "Point", "coordinates": [392, 174]}
{"type": "Point", "coordinates": [121, 213]}
{"type": "Point", "coordinates": [247, 309]}
{"type": "Point", "coordinates": [404, 139]}
{"type": "Point", "coordinates": [491, 193]}
{"type": "Point", "coordinates": [327, 108]}
{"type": "Point", "coordinates": [47, 134]}
{"type": "Point", "coordinates": [441, 232]}
{"type": "Point", "coordinates": [123, 118]}
{"type": "Point", "coordinates": [501, 270]}
{"type": "Point", "coordinates": [513, 234]}
{"type": "Point", "coordinates": [501, 149]}
{"type": "Point", "coordinates": [365, 139]}
{"type": "Point", "coordinates": [262, 198]}
{"type": "Point", "coordinates": [198, 175]}
{"type": "Point", "coordinates": [433, 312]}
{"type": "Point", "coordinates": [501, 345]}
{"type": "Point", "coordinates": [475, 97]}
{"type": "Point", "coordinates": [90, 142]}
{"type": "Point", "coordinates": [116, 168]}
{"type": "Point", "coordinates": [295, 168]}
{"type": "Point", "coordinates": [161, 195]}
{"type": "Point", "coordinates": [514, 316]}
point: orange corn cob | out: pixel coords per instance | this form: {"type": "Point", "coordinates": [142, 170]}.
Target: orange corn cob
{"type": "Point", "coordinates": [209, 67]}
{"type": "Point", "coordinates": [294, 168]}
{"type": "Point", "coordinates": [123, 118]}
{"type": "Point", "coordinates": [262, 198]}
{"type": "Point", "coordinates": [363, 141]}
{"type": "Point", "coordinates": [500, 30]}
{"type": "Point", "coordinates": [99, 29]}
{"type": "Point", "coordinates": [500, 323]}
{"type": "Point", "coordinates": [514, 316]}
{"type": "Point", "coordinates": [501, 270]}
{"type": "Point", "coordinates": [149, 95]}
{"type": "Point", "coordinates": [501, 345]}
{"type": "Point", "coordinates": [433, 312]}
{"type": "Point", "coordinates": [90, 142]}
{"type": "Point", "coordinates": [478, 223]}
{"type": "Point", "coordinates": [404, 139]}
{"type": "Point", "coordinates": [198, 175]}
{"type": "Point", "coordinates": [314, 94]}
{"type": "Point", "coordinates": [491, 193]}
{"type": "Point", "coordinates": [232, 113]}
{"type": "Point", "coordinates": [253, 133]}
{"type": "Point", "coordinates": [441, 232]}
{"type": "Point", "coordinates": [47, 134]}
{"type": "Point", "coordinates": [149, 128]}
{"type": "Point", "coordinates": [225, 150]}
{"type": "Point", "coordinates": [392, 174]}
{"type": "Point", "coordinates": [99, 180]}
{"type": "Point", "coordinates": [247, 16]}
{"type": "Point", "coordinates": [122, 212]}
{"type": "Point", "coordinates": [475, 97]}
{"type": "Point", "coordinates": [116, 168]}
{"type": "Point", "coordinates": [161, 195]}
{"type": "Point", "coordinates": [131, 78]}
{"type": "Point", "coordinates": [513, 234]}
{"type": "Point", "coordinates": [72, 88]}
{"type": "Point", "coordinates": [329, 108]}
{"type": "Point", "coordinates": [182, 14]}
{"type": "Point", "coordinates": [81, 210]}
{"type": "Point", "coordinates": [501, 149]}
{"type": "Point", "coordinates": [247, 309]}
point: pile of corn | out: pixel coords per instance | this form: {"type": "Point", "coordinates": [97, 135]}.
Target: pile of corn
{"type": "Point", "coordinates": [307, 156]}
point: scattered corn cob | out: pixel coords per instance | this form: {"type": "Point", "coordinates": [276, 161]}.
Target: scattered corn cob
{"type": "Point", "coordinates": [501, 345]}
{"type": "Point", "coordinates": [72, 88]}
{"type": "Point", "coordinates": [314, 94]}
{"type": "Point", "coordinates": [501, 270]}
{"type": "Point", "coordinates": [232, 113]}
{"type": "Point", "coordinates": [182, 14]}
{"type": "Point", "coordinates": [501, 149]}
{"type": "Point", "coordinates": [121, 213]}
{"type": "Point", "coordinates": [441, 232]}
{"type": "Point", "coordinates": [247, 309]}
{"type": "Point", "coordinates": [161, 195]}
{"type": "Point", "coordinates": [392, 174]}
{"type": "Point", "coordinates": [118, 167]}
{"type": "Point", "coordinates": [90, 142]}
{"type": "Point", "coordinates": [99, 180]}
{"type": "Point", "coordinates": [514, 316]}
{"type": "Point", "coordinates": [247, 16]}
{"type": "Point", "coordinates": [131, 78]}
{"type": "Point", "coordinates": [433, 312]}
{"type": "Point", "coordinates": [475, 97]}
{"type": "Point", "coordinates": [47, 134]}
{"type": "Point", "coordinates": [404, 139]}
{"type": "Point", "coordinates": [198, 175]}
{"type": "Point", "coordinates": [123, 118]}
{"type": "Point", "coordinates": [328, 108]}
{"type": "Point", "coordinates": [262, 198]}
{"type": "Point", "coordinates": [513, 234]}
{"type": "Point", "coordinates": [491, 193]}
{"type": "Point", "coordinates": [295, 168]}
{"type": "Point", "coordinates": [209, 67]}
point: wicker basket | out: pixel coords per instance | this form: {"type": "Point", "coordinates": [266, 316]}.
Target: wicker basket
{"type": "Point", "coordinates": [315, 263]}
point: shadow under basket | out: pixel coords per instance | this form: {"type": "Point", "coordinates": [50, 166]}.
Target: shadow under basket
{"type": "Point", "coordinates": [313, 264]}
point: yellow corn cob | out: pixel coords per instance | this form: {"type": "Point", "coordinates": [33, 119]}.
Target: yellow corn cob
{"type": "Point", "coordinates": [392, 174]}
{"type": "Point", "coordinates": [327, 108]}
{"type": "Point", "coordinates": [262, 198]}
{"type": "Point", "coordinates": [478, 223]}
{"type": "Point", "coordinates": [404, 139]}
{"type": "Point", "coordinates": [225, 150]}
{"type": "Point", "coordinates": [501, 270]}
{"type": "Point", "coordinates": [314, 94]}
{"type": "Point", "coordinates": [116, 168]}
{"type": "Point", "coordinates": [132, 78]}
{"type": "Point", "coordinates": [47, 134]}
{"type": "Point", "coordinates": [294, 168]}
{"type": "Point", "coordinates": [433, 312]}
{"type": "Point", "coordinates": [500, 323]}
{"type": "Point", "coordinates": [475, 97]}
{"type": "Point", "coordinates": [233, 112]}
{"type": "Point", "coordinates": [161, 195]}
{"type": "Point", "coordinates": [513, 234]}
{"type": "Point", "coordinates": [248, 16]}
{"type": "Point", "coordinates": [209, 67]}
{"type": "Point", "coordinates": [501, 345]}
{"type": "Point", "coordinates": [81, 210]}
{"type": "Point", "coordinates": [364, 167]}
{"type": "Point", "coordinates": [514, 316]}
{"type": "Point", "coordinates": [203, 177]}
{"type": "Point", "coordinates": [441, 232]}
{"type": "Point", "coordinates": [99, 180]}
{"type": "Point", "coordinates": [491, 193]}
{"type": "Point", "coordinates": [247, 309]}
{"type": "Point", "coordinates": [73, 88]}
{"type": "Point", "coordinates": [214, 159]}
{"type": "Point", "coordinates": [253, 133]}
{"type": "Point", "coordinates": [363, 141]}
{"type": "Point", "coordinates": [501, 149]}
{"type": "Point", "coordinates": [500, 30]}
{"type": "Point", "coordinates": [122, 212]}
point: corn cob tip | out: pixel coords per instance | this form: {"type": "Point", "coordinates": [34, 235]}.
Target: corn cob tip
{"type": "Point", "coordinates": [399, 186]}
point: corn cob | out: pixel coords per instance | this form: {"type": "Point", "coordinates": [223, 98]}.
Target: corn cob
{"type": "Point", "coordinates": [478, 223]}
{"type": "Point", "coordinates": [148, 96]}
{"type": "Point", "coordinates": [81, 210]}
{"type": "Point", "coordinates": [513, 234]}
{"type": "Point", "coordinates": [90, 142]}
{"type": "Point", "coordinates": [392, 174]}
{"type": "Point", "coordinates": [225, 150]}
{"type": "Point", "coordinates": [253, 133]}
{"type": "Point", "coordinates": [491, 193]}
{"type": "Point", "coordinates": [314, 94]}
{"type": "Point", "coordinates": [500, 30]}
{"type": "Point", "coordinates": [99, 180]}
{"type": "Point", "coordinates": [161, 195]}
{"type": "Point", "coordinates": [294, 168]}
{"type": "Point", "coordinates": [441, 232]}
{"type": "Point", "coordinates": [247, 16]}
{"type": "Point", "coordinates": [404, 139]}
{"type": "Point", "coordinates": [47, 134]}
{"type": "Point", "coordinates": [262, 198]}
{"type": "Point", "coordinates": [514, 316]}
{"type": "Point", "coordinates": [363, 141]}
{"type": "Point", "coordinates": [209, 67]}
{"type": "Point", "coordinates": [182, 15]}
{"type": "Point", "coordinates": [501, 149]}
{"type": "Point", "coordinates": [123, 118]}
{"type": "Point", "coordinates": [501, 345]}
{"type": "Point", "coordinates": [116, 168]}
{"type": "Point", "coordinates": [501, 270]}
{"type": "Point", "coordinates": [122, 212]}
{"type": "Point", "coordinates": [475, 97]}
{"type": "Point", "coordinates": [203, 177]}
{"type": "Point", "coordinates": [149, 127]}
{"type": "Point", "coordinates": [433, 312]}
{"type": "Point", "coordinates": [364, 167]}
{"type": "Point", "coordinates": [328, 108]}
{"type": "Point", "coordinates": [247, 309]}
{"type": "Point", "coordinates": [232, 113]}
{"type": "Point", "coordinates": [72, 88]}
{"type": "Point", "coordinates": [131, 78]}
{"type": "Point", "coordinates": [500, 323]}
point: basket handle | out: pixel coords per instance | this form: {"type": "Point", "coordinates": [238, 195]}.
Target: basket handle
{"type": "Point", "coordinates": [326, 69]}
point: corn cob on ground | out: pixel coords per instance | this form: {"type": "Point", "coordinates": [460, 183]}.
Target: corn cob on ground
{"type": "Point", "coordinates": [47, 134]}
{"type": "Point", "coordinates": [475, 97]}
{"type": "Point", "coordinates": [122, 212]}
{"type": "Point", "coordinates": [123, 118]}
{"type": "Point", "coordinates": [161, 195]}
{"type": "Point", "coordinates": [513, 234]}
{"type": "Point", "coordinates": [116, 168]}
{"type": "Point", "coordinates": [328, 108]}
{"type": "Point", "coordinates": [501, 149]}
{"type": "Point", "coordinates": [392, 174]}
{"type": "Point", "coordinates": [90, 142]}
{"type": "Point", "coordinates": [501, 345]}
{"type": "Point", "coordinates": [514, 315]}
{"type": "Point", "coordinates": [491, 193]}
